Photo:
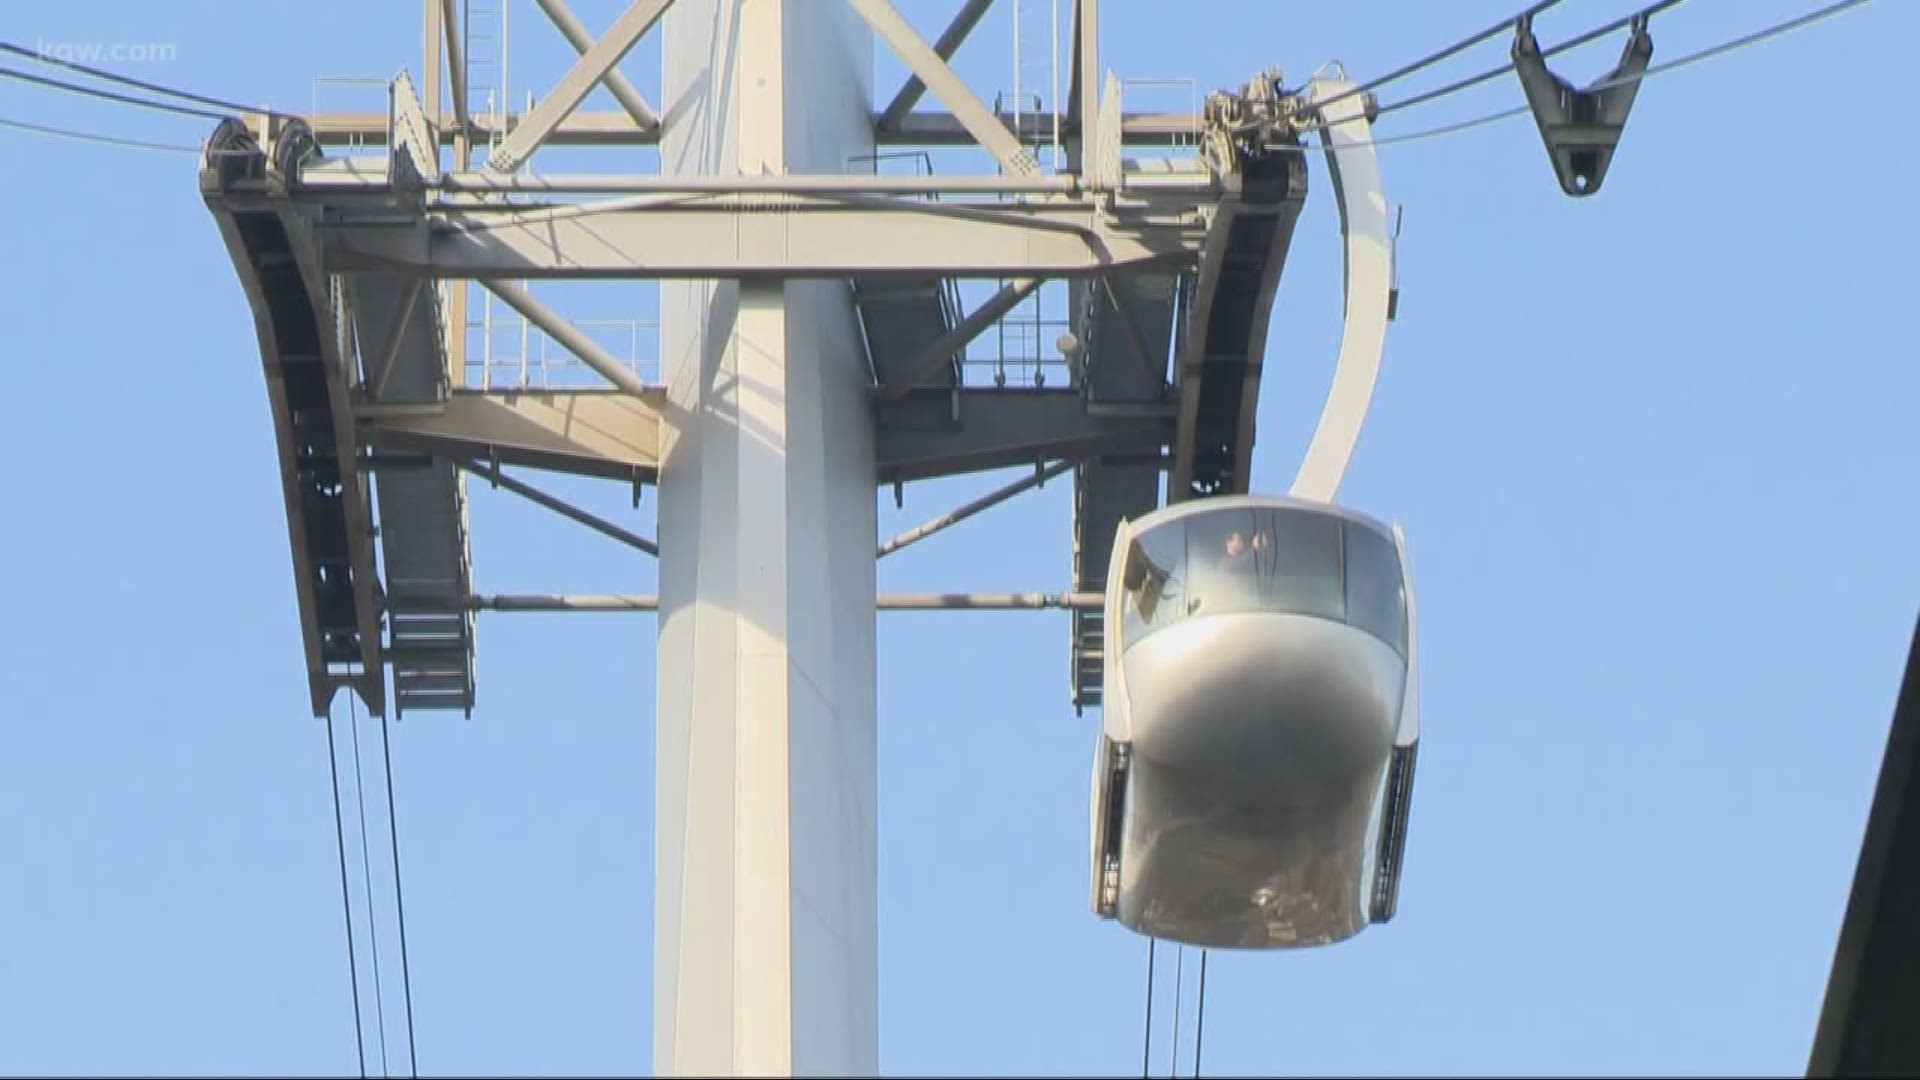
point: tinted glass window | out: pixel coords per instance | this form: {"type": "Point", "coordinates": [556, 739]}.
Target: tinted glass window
{"type": "Point", "coordinates": [1235, 560]}
{"type": "Point", "coordinates": [1376, 598]}
{"type": "Point", "coordinates": [1155, 584]}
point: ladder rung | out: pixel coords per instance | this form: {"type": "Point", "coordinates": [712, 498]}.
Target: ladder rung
{"type": "Point", "coordinates": [446, 684]}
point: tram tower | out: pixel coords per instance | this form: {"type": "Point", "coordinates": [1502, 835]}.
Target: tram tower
{"type": "Point", "coordinates": [822, 326]}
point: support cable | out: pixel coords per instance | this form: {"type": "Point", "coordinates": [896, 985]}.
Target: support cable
{"type": "Point", "coordinates": [1595, 34]}
{"type": "Point", "coordinates": [366, 861]}
{"type": "Point", "coordinates": [92, 137]}
{"type": "Point", "coordinates": [1200, 1015]}
{"type": "Point", "coordinates": [1753, 38]}
{"type": "Point", "coordinates": [1709, 53]}
{"type": "Point", "coordinates": [109, 95]}
{"type": "Point", "coordinates": [1179, 964]}
{"type": "Point", "coordinates": [399, 900]}
{"type": "Point", "coordinates": [1435, 57]}
{"type": "Point", "coordinates": [346, 900]}
{"type": "Point", "coordinates": [1742, 42]}
{"type": "Point", "coordinates": [1146, 1051]}
{"type": "Point", "coordinates": [128, 80]}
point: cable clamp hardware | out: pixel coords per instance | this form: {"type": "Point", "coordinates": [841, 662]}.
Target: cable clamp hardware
{"type": "Point", "coordinates": [1581, 128]}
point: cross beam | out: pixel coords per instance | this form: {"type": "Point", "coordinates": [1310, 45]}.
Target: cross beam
{"type": "Point", "coordinates": [795, 241]}
{"type": "Point", "coordinates": [616, 128]}
{"type": "Point", "coordinates": [617, 84]}
{"type": "Point", "coordinates": [952, 91]}
{"type": "Point", "coordinates": [949, 41]}
{"type": "Point", "coordinates": [592, 67]}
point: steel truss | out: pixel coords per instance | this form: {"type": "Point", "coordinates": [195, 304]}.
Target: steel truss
{"type": "Point", "coordinates": [1172, 264]}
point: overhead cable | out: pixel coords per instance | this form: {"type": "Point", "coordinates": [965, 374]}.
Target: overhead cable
{"type": "Point", "coordinates": [1200, 1015]}
{"type": "Point", "coordinates": [1754, 38]}
{"type": "Point", "coordinates": [1595, 34]}
{"type": "Point", "coordinates": [128, 80]}
{"type": "Point", "coordinates": [366, 863]}
{"type": "Point", "coordinates": [1146, 1050]}
{"type": "Point", "coordinates": [1435, 57]}
{"type": "Point", "coordinates": [346, 897]}
{"type": "Point", "coordinates": [399, 899]}
{"type": "Point", "coordinates": [1179, 963]}
{"type": "Point", "coordinates": [92, 137]}
{"type": "Point", "coordinates": [109, 95]}
{"type": "Point", "coordinates": [1444, 129]}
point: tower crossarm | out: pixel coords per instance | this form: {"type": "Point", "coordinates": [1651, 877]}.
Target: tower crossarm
{"type": "Point", "coordinates": [769, 236]}
{"type": "Point", "coordinates": [1169, 266]}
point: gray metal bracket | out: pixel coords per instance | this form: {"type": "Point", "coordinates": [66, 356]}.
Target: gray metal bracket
{"type": "Point", "coordinates": [1581, 127]}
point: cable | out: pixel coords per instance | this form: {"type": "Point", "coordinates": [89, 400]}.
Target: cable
{"type": "Point", "coordinates": [1173, 1056]}
{"type": "Point", "coordinates": [399, 900]}
{"type": "Point", "coordinates": [1754, 38]}
{"type": "Point", "coordinates": [1434, 58]}
{"type": "Point", "coordinates": [1200, 1015]}
{"type": "Point", "coordinates": [127, 80]}
{"type": "Point", "coordinates": [366, 860]}
{"type": "Point", "coordinates": [1146, 1052]}
{"type": "Point", "coordinates": [1428, 133]}
{"type": "Point", "coordinates": [87, 136]}
{"type": "Point", "coordinates": [108, 95]}
{"type": "Point", "coordinates": [346, 897]}
{"type": "Point", "coordinates": [1494, 73]}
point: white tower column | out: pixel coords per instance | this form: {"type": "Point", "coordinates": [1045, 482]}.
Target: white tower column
{"type": "Point", "coordinates": [765, 936]}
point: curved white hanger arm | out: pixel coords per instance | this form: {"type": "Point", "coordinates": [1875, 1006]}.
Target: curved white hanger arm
{"type": "Point", "coordinates": [1347, 135]}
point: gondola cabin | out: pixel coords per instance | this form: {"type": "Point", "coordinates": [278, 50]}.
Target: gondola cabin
{"type": "Point", "coordinates": [1256, 758]}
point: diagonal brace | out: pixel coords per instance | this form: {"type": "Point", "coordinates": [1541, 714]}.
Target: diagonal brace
{"type": "Point", "coordinates": [944, 47]}
{"type": "Point", "coordinates": [591, 68]}
{"type": "Point", "coordinates": [389, 357]}
{"type": "Point", "coordinates": [963, 333]}
{"type": "Point", "coordinates": [966, 107]}
{"type": "Point", "coordinates": [456, 65]}
{"type": "Point", "coordinates": [560, 506]}
{"type": "Point", "coordinates": [617, 84]}
{"type": "Point", "coordinates": [985, 502]}
{"type": "Point", "coordinates": [567, 334]}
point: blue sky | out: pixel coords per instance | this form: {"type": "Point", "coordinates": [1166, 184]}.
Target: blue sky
{"type": "Point", "coordinates": [1652, 451]}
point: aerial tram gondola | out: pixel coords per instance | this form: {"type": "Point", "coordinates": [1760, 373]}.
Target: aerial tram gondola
{"type": "Point", "coordinates": [1254, 768]}
{"type": "Point", "coordinates": [1256, 758]}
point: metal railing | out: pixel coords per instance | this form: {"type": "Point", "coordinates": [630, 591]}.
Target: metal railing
{"type": "Point", "coordinates": [355, 90]}
{"type": "Point", "coordinates": [1022, 353]}
{"type": "Point", "coordinates": [878, 164]}
{"type": "Point", "coordinates": [511, 353]}
{"type": "Point", "coordinates": [1174, 96]}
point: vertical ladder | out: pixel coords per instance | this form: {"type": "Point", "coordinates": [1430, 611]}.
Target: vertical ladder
{"type": "Point", "coordinates": [1036, 87]}
{"type": "Point", "coordinates": [484, 39]}
{"type": "Point", "coordinates": [1089, 625]}
{"type": "Point", "coordinates": [1036, 76]}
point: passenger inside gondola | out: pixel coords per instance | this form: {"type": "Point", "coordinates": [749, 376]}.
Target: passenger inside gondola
{"type": "Point", "coordinates": [1147, 582]}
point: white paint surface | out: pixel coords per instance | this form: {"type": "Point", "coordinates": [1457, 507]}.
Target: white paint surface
{"type": "Point", "coordinates": [767, 959]}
